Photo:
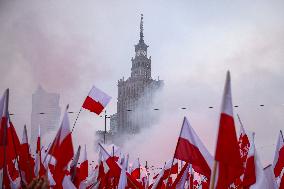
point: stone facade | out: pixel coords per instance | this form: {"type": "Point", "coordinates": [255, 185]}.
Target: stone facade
{"type": "Point", "coordinates": [135, 94]}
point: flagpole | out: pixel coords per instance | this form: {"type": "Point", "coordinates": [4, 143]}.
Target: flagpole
{"type": "Point", "coordinates": [76, 119]}
{"type": "Point", "coordinates": [212, 180]}
{"type": "Point", "coordinates": [240, 120]}
{"type": "Point", "coordinates": [105, 132]}
{"type": "Point", "coordinates": [5, 137]}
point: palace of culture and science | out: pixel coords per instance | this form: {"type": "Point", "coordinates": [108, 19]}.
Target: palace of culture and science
{"type": "Point", "coordinates": [135, 94]}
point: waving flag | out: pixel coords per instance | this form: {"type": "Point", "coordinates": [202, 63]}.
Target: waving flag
{"type": "Point", "coordinates": [25, 159]}
{"type": "Point", "coordinates": [227, 152]}
{"type": "Point", "coordinates": [62, 149]}
{"type": "Point", "coordinates": [96, 100]}
{"type": "Point", "coordinates": [190, 149]}
{"type": "Point", "coordinates": [278, 163]}
{"type": "Point", "coordinates": [249, 173]}
{"type": "Point", "coordinates": [243, 144]}
{"type": "Point", "coordinates": [136, 169]}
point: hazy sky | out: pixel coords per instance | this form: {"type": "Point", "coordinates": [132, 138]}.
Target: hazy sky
{"type": "Point", "coordinates": [67, 46]}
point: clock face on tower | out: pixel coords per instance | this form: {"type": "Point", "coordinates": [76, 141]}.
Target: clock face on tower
{"type": "Point", "coordinates": [141, 53]}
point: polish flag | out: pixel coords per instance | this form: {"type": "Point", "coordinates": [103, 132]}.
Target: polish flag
{"type": "Point", "coordinates": [261, 181]}
{"type": "Point", "coordinates": [9, 140]}
{"type": "Point", "coordinates": [170, 167]}
{"type": "Point", "coordinates": [26, 161]}
{"type": "Point", "coordinates": [96, 100]}
{"type": "Point", "coordinates": [39, 168]}
{"type": "Point", "coordinates": [190, 149]}
{"type": "Point", "coordinates": [278, 163]}
{"type": "Point", "coordinates": [74, 170]}
{"type": "Point", "coordinates": [62, 149]}
{"type": "Point", "coordinates": [115, 169]}
{"type": "Point", "coordinates": [62, 146]}
{"type": "Point", "coordinates": [227, 152]}
{"type": "Point", "coordinates": [249, 172]}
{"type": "Point", "coordinates": [123, 179]}
{"type": "Point", "coordinates": [84, 166]}
{"type": "Point", "coordinates": [243, 144]}
{"type": "Point", "coordinates": [136, 169]}
{"type": "Point", "coordinates": [181, 177]}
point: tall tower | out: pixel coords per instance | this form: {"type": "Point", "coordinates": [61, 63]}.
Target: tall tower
{"type": "Point", "coordinates": [141, 64]}
{"type": "Point", "coordinates": [135, 94]}
{"type": "Point", "coordinates": [45, 113]}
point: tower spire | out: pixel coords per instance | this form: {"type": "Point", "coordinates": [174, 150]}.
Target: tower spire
{"type": "Point", "coordinates": [141, 29]}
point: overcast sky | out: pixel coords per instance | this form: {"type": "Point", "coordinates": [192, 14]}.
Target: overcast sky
{"type": "Point", "coordinates": [67, 46]}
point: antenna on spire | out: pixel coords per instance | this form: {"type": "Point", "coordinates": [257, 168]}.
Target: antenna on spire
{"type": "Point", "coordinates": [141, 28]}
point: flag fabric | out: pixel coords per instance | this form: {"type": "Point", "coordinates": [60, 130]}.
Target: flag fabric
{"type": "Point", "coordinates": [136, 169]}
{"type": "Point", "coordinates": [244, 144]}
{"type": "Point", "coordinates": [250, 171]}
{"type": "Point", "coordinates": [181, 177]}
{"type": "Point", "coordinates": [26, 161]}
{"type": "Point", "coordinates": [282, 182]}
{"type": "Point", "coordinates": [115, 169]}
{"type": "Point", "coordinates": [122, 179]}
{"type": "Point", "coordinates": [39, 168]}
{"type": "Point", "coordinates": [278, 163]}
{"type": "Point", "coordinates": [96, 100]}
{"type": "Point", "coordinates": [190, 149]}
{"type": "Point", "coordinates": [84, 172]}
{"type": "Point", "coordinates": [9, 140]}
{"type": "Point", "coordinates": [62, 143]}
{"type": "Point", "coordinates": [74, 170]}
{"type": "Point", "coordinates": [67, 183]}
{"type": "Point", "coordinates": [227, 152]}
{"type": "Point", "coordinates": [261, 179]}
{"type": "Point", "coordinates": [268, 171]}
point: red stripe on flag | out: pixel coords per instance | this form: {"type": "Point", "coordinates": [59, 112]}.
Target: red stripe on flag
{"type": "Point", "coordinates": [227, 152]}
{"type": "Point", "coordinates": [280, 163]}
{"type": "Point", "coordinates": [92, 105]}
{"type": "Point", "coordinates": [249, 175]}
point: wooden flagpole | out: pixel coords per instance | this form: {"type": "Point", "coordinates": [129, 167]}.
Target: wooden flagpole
{"type": "Point", "coordinates": [212, 180]}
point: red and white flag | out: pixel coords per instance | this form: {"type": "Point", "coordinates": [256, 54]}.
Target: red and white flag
{"type": "Point", "coordinates": [136, 169]}
{"type": "Point", "coordinates": [62, 149]}
{"type": "Point", "coordinates": [244, 144]}
{"type": "Point", "coordinates": [261, 181]}
{"type": "Point", "coordinates": [278, 163]}
{"type": "Point", "coordinates": [26, 161]}
{"type": "Point", "coordinates": [83, 173]}
{"type": "Point", "coordinates": [250, 171]}
{"type": "Point", "coordinates": [8, 135]}
{"type": "Point", "coordinates": [180, 181]}
{"type": "Point", "coordinates": [190, 149]}
{"type": "Point", "coordinates": [39, 168]}
{"type": "Point", "coordinates": [62, 146]}
{"type": "Point", "coordinates": [227, 152]}
{"type": "Point", "coordinates": [96, 100]}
